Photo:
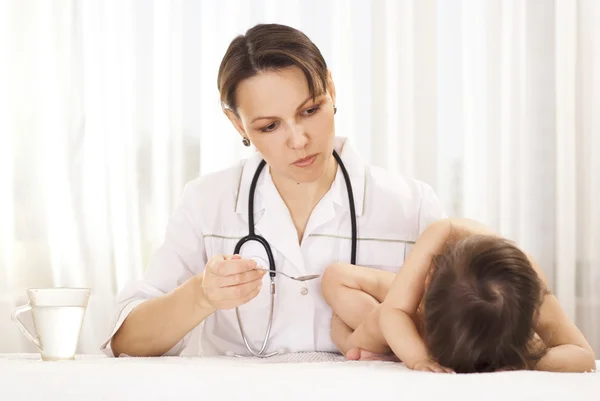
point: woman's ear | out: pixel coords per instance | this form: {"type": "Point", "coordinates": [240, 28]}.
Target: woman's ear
{"type": "Point", "coordinates": [330, 86]}
{"type": "Point", "coordinates": [235, 120]}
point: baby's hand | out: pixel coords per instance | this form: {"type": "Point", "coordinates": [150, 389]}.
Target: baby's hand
{"type": "Point", "coordinates": [427, 365]}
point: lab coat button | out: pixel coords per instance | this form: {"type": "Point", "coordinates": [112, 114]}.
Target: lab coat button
{"type": "Point", "coordinates": [304, 291]}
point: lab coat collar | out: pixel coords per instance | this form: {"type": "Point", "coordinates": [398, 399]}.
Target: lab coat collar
{"type": "Point", "coordinates": [351, 159]}
{"type": "Point", "coordinates": [243, 193]}
{"type": "Point", "coordinates": [356, 168]}
{"type": "Point", "coordinates": [271, 216]}
{"type": "Point", "coordinates": [269, 211]}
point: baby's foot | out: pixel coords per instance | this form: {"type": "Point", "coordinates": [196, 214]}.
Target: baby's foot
{"type": "Point", "coordinates": [357, 354]}
{"type": "Point", "coordinates": [353, 354]}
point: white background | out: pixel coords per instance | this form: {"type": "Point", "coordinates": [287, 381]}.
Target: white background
{"type": "Point", "coordinates": [107, 108]}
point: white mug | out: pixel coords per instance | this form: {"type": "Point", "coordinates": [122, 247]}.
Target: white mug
{"type": "Point", "coordinates": [58, 315]}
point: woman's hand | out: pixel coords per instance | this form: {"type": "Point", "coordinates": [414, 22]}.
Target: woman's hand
{"type": "Point", "coordinates": [230, 281]}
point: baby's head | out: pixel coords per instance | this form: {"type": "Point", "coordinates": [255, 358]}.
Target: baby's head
{"type": "Point", "coordinates": [481, 306]}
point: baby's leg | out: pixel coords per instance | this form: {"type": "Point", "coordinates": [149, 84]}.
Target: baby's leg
{"type": "Point", "coordinates": [354, 293]}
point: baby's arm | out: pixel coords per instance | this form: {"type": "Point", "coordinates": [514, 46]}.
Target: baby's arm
{"type": "Point", "coordinates": [569, 351]}
{"type": "Point", "coordinates": [398, 310]}
{"type": "Point", "coordinates": [400, 306]}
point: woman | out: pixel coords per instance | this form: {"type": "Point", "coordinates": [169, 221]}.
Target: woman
{"type": "Point", "coordinates": [279, 95]}
{"type": "Point", "coordinates": [466, 300]}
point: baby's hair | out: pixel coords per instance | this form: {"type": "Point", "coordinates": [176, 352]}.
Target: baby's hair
{"type": "Point", "coordinates": [481, 307]}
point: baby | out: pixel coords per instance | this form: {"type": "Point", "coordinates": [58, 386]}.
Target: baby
{"type": "Point", "coordinates": [465, 300]}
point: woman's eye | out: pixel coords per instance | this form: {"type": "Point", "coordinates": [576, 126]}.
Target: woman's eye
{"type": "Point", "coordinates": [312, 110]}
{"type": "Point", "coordinates": [269, 127]}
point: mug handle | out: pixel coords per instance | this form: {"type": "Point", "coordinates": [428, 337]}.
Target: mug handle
{"type": "Point", "coordinates": [14, 316]}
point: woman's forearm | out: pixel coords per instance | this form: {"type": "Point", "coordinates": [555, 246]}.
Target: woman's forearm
{"type": "Point", "coordinates": [157, 325]}
{"type": "Point", "coordinates": [567, 358]}
{"type": "Point", "coordinates": [402, 336]}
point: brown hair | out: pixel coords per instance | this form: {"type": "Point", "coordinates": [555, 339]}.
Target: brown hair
{"type": "Point", "coordinates": [269, 47]}
{"type": "Point", "coordinates": [481, 306]}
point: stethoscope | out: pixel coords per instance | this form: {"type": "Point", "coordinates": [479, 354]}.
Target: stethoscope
{"type": "Point", "coordinates": [253, 237]}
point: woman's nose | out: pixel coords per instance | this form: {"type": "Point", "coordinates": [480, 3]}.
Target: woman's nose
{"type": "Point", "coordinates": [298, 138]}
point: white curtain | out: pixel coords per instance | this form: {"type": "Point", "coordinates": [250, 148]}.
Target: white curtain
{"type": "Point", "coordinates": [107, 108]}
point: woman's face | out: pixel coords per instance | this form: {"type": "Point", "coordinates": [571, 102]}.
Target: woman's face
{"type": "Point", "coordinates": [293, 133]}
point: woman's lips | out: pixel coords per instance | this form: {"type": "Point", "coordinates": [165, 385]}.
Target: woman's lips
{"type": "Point", "coordinates": [305, 162]}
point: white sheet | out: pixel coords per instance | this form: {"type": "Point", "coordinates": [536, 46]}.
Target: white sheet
{"type": "Point", "coordinates": [281, 378]}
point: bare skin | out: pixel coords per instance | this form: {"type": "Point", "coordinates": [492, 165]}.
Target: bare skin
{"type": "Point", "coordinates": [384, 309]}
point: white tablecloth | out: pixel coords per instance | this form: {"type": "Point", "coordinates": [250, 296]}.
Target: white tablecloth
{"type": "Point", "coordinates": [281, 378]}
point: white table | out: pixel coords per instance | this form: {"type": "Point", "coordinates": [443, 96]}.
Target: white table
{"type": "Point", "coordinates": [281, 378]}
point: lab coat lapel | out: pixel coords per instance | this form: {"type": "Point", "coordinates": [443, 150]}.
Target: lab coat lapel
{"type": "Point", "coordinates": [323, 213]}
{"type": "Point", "coordinates": [356, 168]}
{"type": "Point", "coordinates": [277, 227]}
{"type": "Point", "coordinates": [243, 189]}
{"type": "Point", "coordinates": [272, 219]}
{"type": "Point", "coordinates": [338, 194]}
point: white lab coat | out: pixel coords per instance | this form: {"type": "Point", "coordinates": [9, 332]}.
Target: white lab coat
{"type": "Point", "coordinates": [212, 216]}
